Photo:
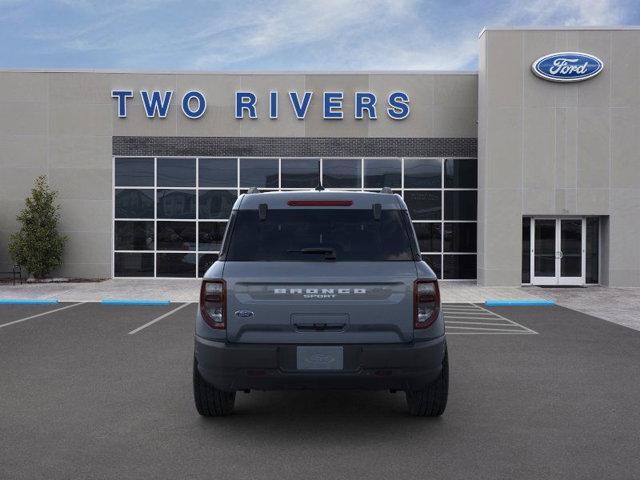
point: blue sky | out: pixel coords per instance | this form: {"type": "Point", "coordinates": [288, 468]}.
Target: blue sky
{"type": "Point", "coordinates": [274, 35]}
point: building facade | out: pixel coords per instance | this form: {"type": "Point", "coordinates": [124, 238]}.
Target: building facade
{"type": "Point", "coordinates": [510, 178]}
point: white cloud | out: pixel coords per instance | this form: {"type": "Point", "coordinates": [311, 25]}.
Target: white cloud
{"type": "Point", "coordinates": [303, 34]}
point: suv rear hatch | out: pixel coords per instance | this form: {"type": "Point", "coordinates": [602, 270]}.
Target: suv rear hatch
{"type": "Point", "coordinates": [319, 275]}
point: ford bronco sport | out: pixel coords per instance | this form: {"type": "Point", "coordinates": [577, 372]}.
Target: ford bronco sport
{"type": "Point", "coordinates": [320, 289]}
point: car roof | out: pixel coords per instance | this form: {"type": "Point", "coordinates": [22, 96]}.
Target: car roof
{"type": "Point", "coordinates": [388, 201]}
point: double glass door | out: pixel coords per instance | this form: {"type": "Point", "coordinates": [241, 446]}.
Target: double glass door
{"type": "Point", "coordinates": [558, 251]}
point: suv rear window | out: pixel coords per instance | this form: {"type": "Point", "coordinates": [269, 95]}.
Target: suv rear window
{"type": "Point", "coordinates": [319, 234]}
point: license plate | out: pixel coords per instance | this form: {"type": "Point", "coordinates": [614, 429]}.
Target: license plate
{"type": "Point", "coordinates": [319, 358]}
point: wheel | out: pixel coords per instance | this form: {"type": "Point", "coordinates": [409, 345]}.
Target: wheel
{"type": "Point", "coordinates": [432, 401]}
{"type": "Point", "coordinates": [210, 402]}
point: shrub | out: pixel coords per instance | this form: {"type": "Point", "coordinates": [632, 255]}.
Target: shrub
{"type": "Point", "coordinates": [37, 246]}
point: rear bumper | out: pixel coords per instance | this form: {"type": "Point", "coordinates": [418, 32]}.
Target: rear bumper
{"type": "Point", "coordinates": [273, 367]}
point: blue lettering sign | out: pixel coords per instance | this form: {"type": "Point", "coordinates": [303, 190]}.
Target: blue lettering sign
{"type": "Point", "coordinates": [365, 101]}
{"type": "Point", "coordinates": [398, 105]}
{"type": "Point", "coordinates": [156, 105]}
{"type": "Point", "coordinates": [332, 105]}
{"type": "Point", "coordinates": [122, 96]}
{"type": "Point", "coordinates": [246, 101]}
{"type": "Point", "coordinates": [300, 108]}
{"type": "Point", "coordinates": [567, 67]}
{"type": "Point", "coordinates": [200, 100]}
{"type": "Point", "coordinates": [273, 105]}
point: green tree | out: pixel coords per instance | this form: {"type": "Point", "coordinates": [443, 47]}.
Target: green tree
{"type": "Point", "coordinates": [37, 246]}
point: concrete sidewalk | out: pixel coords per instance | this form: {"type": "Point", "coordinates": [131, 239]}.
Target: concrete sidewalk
{"type": "Point", "coordinates": [187, 290]}
{"type": "Point", "coordinates": [618, 305]}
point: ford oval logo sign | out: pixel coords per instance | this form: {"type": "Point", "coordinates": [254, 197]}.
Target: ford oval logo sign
{"type": "Point", "coordinates": [567, 66]}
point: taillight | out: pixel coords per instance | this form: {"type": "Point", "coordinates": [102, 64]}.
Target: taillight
{"type": "Point", "coordinates": [426, 303]}
{"type": "Point", "coordinates": [213, 299]}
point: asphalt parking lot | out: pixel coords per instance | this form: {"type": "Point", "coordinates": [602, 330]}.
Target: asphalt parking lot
{"type": "Point", "coordinates": [103, 391]}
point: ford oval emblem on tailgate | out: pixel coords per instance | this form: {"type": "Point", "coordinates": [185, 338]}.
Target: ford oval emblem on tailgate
{"type": "Point", "coordinates": [567, 66]}
{"type": "Point", "coordinates": [244, 313]}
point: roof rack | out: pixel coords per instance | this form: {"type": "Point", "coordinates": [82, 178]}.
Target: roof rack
{"type": "Point", "coordinates": [253, 190]}
{"type": "Point", "coordinates": [386, 190]}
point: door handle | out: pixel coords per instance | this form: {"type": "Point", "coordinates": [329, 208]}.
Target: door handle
{"type": "Point", "coordinates": [559, 255]}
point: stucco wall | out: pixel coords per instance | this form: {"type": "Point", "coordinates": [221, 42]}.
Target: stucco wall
{"type": "Point", "coordinates": [62, 124]}
{"type": "Point", "coordinates": [558, 149]}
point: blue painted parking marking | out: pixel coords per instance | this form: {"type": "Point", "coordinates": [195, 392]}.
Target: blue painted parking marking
{"type": "Point", "coordinates": [28, 301]}
{"type": "Point", "coordinates": [518, 303]}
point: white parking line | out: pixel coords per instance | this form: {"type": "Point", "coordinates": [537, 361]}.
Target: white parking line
{"type": "Point", "coordinates": [39, 315]}
{"type": "Point", "coordinates": [479, 320]}
{"type": "Point", "coordinates": [510, 321]}
{"type": "Point", "coordinates": [159, 318]}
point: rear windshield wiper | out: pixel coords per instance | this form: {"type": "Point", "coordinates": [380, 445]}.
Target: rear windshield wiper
{"type": "Point", "coordinates": [329, 253]}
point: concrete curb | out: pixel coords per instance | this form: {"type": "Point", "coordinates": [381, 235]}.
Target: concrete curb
{"type": "Point", "coordinates": [28, 301]}
{"type": "Point", "coordinates": [113, 301]}
{"type": "Point", "coordinates": [518, 303]}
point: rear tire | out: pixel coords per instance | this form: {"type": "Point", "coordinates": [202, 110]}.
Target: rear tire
{"type": "Point", "coordinates": [432, 401]}
{"type": "Point", "coordinates": [210, 402]}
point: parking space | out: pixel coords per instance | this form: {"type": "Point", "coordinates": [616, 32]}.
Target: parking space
{"type": "Point", "coordinates": [553, 396]}
{"type": "Point", "coordinates": [473, 319]}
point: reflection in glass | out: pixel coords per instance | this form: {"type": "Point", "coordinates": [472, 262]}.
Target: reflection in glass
{"type": "Point", "coordinates": [218, 172]}
{"type": "Point", "coordinates": [460, 237]}
{"type": "Point", "coordinates": [592, 240]}
{"type": "Point", "coordinates": [544, 254]}
{"type": "Point", "coordinates": [134, 203]}
{"type": "Point", "coordinates": [259, 172]}
{"type": "Point", "coordinates": [176, 264]}
{"type": "Point", "coordinates": [429, 236]}
{"type": "Point", "coordinates": [176, 172]}
{"type": "Point", "coordinates": [133, 236]}
{"type": "Point", "coordinates": [134, 172]}
{"type": "Point", "coordinates": [459, 267]}
{"type": "Point", "coordinates": [300, 172]}
{"type": "Point", "coordinates": [460, 173]}
{"type": "Point", "coordinates": [422, 173]}
{"type": "Point", "coordinates": [133, 264]}
{"type": "Point", "coordinates": [176, 203]}
{"type": "Point", "coordinates": [210, 235]}
{"type": "Point", "coordinates": [460, 205]}
{"type": "Point", "coordinates": [341, 173]}
{"type": "Point", "coordinates": [526, 250]}
{"type": "Point", "coordinates": [424, 205]}
{"type": "Point", "coordinates": [382, 172]}
{"type": "Point", "coordinates": [216, 203]}
{"type": "Point", "coordinates": [571, 248]}
{"type": "Point", "coordinates": [176, 235]}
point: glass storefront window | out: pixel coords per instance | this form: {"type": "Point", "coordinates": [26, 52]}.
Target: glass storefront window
{"type": "Point", "coordinates": [382, 172]}
{"type": "Point", "coordinates": [259, 172]}
{"type": "Point", "coordinates": [134, 203]}
{"type": "Point", "coordinates": [526, 250]}
{"type": "Point", "coordinates": [593, 247]}
{"type": "Point", "coordinates": [460, 205]}
{"type": "Point", "coordinates": [176, 203]}
{"type": "Point", "coordinates": [424, 205]}
{"type": "Point", "coordinates": [134, 172]}
{"type": "Point", "coordinates": [174, 210]}
{"type": "Point", "coordinates": [460, 173]}
{"type": "Point", "coordinates": [176, 235]}
{"type": "Point", "coordinates": [429, 236]}
{"type": "Point", "coordinates": [300, 172]}
{"type": "Point", "coordinates": [341, 173]}
{"type": "Point", "coordinates": [216, 204]}
{"type": "Point", "coordinates": [218, 172]}
{"type": "Point", "coordinates": [133, 236]}
{"type": "Point", "coordinates": [176, 172]}
{"type": "Point", "coordinates": [422, 173]}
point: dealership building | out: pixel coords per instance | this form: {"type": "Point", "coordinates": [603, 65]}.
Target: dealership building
{"type": "Point", "coordinates": [524, 172]}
